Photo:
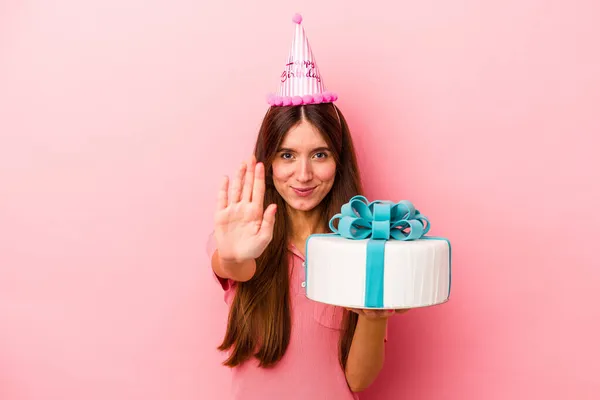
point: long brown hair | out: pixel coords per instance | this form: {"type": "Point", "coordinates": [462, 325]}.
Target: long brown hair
{"type": "Point", "coordinates": [259, 323]}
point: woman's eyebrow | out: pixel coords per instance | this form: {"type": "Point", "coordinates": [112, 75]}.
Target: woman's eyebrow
{"type": "Point", "coordinates": [286, 149]}
{"type": "Point", "coordinates": [290, 150]}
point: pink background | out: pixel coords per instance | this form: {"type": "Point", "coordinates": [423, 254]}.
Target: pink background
{"type": "Point", "coordinates": [118, 119]}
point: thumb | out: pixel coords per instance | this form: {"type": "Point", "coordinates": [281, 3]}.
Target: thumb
{"type": "Point", "coordinates": [268, 222]}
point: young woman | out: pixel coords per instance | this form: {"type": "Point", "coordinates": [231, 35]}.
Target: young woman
{"type": "Point", "coordinates": [280, 344]}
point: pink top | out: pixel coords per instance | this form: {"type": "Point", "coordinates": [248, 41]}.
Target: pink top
{"type": "Point", "coordinates": [309, 369]}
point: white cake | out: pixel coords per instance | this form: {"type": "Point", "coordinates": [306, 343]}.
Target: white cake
{"type": "Point", "coordinates": [416, 273]}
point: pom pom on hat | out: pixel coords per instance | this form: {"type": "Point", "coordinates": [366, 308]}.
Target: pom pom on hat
{"type": "Point", "coordinates": [307, 99]}
{"type": "Point", "coordinates": [297, 18]}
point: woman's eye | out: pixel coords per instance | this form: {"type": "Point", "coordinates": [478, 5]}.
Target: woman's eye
{"type": "Point", "coordinates": [321, 155]}
{"type": "Point", "coordinates": [286, 156]}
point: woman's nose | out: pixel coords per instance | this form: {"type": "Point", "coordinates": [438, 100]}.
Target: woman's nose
{"type": "Point", "coordinates": [304, 172]}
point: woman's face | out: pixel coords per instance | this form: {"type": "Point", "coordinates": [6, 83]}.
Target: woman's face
{"type": "Point", "coordinates": [303, 168]}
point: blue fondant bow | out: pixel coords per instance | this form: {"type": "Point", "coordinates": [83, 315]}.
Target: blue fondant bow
{"type": "Point", "coordinates": [378, 221]}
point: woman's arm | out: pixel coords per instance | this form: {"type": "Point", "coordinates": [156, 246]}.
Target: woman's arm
{"type": "Point", "coordinates": [366, 355]}
{"type": "Point", "coordinates": [239, 272]}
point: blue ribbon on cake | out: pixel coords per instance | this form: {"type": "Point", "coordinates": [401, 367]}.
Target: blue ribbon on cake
{"type": "Point", "coordinates": [378, 221]}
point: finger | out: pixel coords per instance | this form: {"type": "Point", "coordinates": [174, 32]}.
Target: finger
{"type": "Point", "coordinates": [236, 189]}
{"type": "Point", "coordinates": [222, 197]}
{"type": "Point", "coordinates": [249, 181]}
{"type": "Point", "coordinates": [258, 189]}
{"type": "Point", "coordinates": [356, 311]}
{"type": "Point", "coordinates": [268, 222]}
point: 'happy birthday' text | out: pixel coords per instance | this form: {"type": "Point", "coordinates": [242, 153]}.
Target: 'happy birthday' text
{"type": "Point", "coordinates": [298, 69]}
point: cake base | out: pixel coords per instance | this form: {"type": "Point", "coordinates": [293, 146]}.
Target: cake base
{"type": "Point", "coordinates": [413, 274]}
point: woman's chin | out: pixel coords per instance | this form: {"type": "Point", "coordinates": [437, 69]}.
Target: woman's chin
{"type": "Point", "coordinates": [303, 204]}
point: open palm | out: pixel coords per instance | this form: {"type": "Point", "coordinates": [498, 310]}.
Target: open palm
{"type": "Point", "coordinates": [242, 228]}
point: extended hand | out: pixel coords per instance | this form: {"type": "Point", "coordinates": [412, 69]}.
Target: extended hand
{"type": "Point", "coordinates": [242, 228]}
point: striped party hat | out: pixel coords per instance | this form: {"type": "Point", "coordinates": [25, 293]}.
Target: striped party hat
{"type": "Point", "coordinates": [301, 81]}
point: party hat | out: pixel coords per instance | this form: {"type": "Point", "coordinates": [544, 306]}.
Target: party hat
{"type": "Point", "coordinates": [301, 81]}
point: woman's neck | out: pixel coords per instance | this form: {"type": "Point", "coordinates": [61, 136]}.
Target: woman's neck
{"type": "Point", "coordinates": [304, 224]}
